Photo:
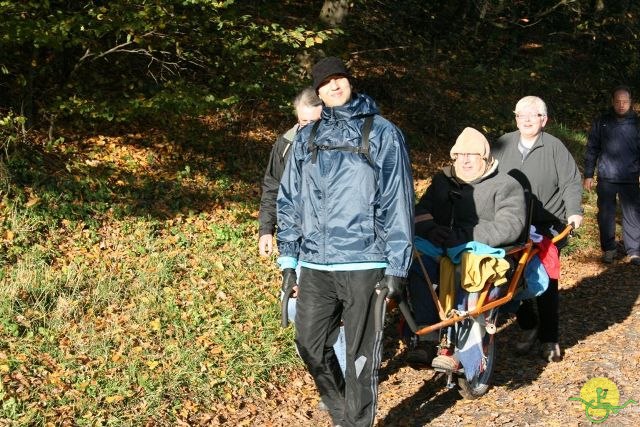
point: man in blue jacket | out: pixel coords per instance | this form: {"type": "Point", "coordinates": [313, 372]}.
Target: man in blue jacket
{"type": "Point", "coordinates": [308, 107]}
{"type": "Point", "coordinates": [345, 213]}
{"type": "Point", "coordinates": [614, 144]}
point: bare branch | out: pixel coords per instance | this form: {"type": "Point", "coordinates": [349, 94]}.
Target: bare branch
{"type": "Point", "coordinates": [382, 49]}
{"type": "Point", "coordinates": [85, 56]}
{"type": "Point", "coordinates": [163, 59]}
{"type": "Point", "coordinates": [120, 46]}
{"type": "Point", "coordinates": [561, 3]}
{"type": "Point", "coordinates": [541, 14]}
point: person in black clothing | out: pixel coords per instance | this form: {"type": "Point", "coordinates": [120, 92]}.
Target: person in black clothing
{"type": "Point", "coordinates": [308, 107]}
{"type": "Point", "coordinates": [614, 144]}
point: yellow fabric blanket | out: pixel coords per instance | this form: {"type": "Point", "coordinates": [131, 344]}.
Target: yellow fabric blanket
{"type": "Point", "coordinates": [475, 271]}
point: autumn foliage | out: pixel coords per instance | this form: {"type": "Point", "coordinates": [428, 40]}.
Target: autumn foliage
{"type": "Point", "coordinates": [133, 139]}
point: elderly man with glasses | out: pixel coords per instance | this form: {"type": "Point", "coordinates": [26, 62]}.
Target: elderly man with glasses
{"type": "Point", "coordinates": [467, 201]}
{"type": "Point", "coordinates": [545, 167]}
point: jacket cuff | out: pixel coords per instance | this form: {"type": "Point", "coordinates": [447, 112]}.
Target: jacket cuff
{"type": "Point", "coordinates": [265, 227]}
{"type": "Point", "coordinates": [264, 231]}
{"type": "Point", "coordinates": [287, 262]}
{"type": "Point", "coordinates": [389, 271]}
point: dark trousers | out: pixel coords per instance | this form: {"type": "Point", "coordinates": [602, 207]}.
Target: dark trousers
{"type": "Point", "coordinates": [324, 298]}
{"type": "Point", "coordinates": [424, 309]}
{"type": "Point", "coordinates": [629, 195]}
{"type": "Point", "coordinates": [548, 319]}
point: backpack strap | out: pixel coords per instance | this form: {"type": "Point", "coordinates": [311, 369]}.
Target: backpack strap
{"type": "Point", "coordinates": [311, 145]}
{"type": "Point", "coordinates": [366, 130]}
{"type": "Point", "coordinates": [362, 149]}
{"type": "Point", "coordinates": [288, 138]}
{"type": "Point", "coordinates": [286, 148]}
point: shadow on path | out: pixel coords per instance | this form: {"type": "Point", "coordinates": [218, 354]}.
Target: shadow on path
{"type": "Point", "coordinates": [593, 305]}
{"type": "Point", "coordinates": [424, 406]}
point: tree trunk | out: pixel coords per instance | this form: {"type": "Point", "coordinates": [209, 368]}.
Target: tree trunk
{"type": "Point", "coordinates": [334, 12]}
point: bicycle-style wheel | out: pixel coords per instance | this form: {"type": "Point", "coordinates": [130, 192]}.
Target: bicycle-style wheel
{"type": "Point", "coordinates": [481, 383]}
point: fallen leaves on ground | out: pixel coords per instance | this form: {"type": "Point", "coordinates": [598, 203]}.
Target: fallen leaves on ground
{"type": "Point", "coordinates": [600, 328]}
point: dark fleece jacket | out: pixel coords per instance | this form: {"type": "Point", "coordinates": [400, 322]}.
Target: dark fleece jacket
{"type": "Point", "coordinates": [489, 210]}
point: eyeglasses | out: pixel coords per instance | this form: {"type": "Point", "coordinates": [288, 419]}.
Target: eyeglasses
{"type": "Point", "coordinates": [530, 116]}
{"type": "Point", "coordinates": [470, 156]}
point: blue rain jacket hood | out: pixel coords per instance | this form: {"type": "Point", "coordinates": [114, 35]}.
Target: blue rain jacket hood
{"type": "Point", "coordinates": [340, 209]}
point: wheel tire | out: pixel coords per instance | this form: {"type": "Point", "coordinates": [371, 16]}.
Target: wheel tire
{"type": "Point", "coordinates": [480, 385]}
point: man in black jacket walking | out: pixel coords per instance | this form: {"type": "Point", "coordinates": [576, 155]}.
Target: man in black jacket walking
{"type": "Point", "coordinates": [614, 144]}
{"type": "Point", "coordinates": [308, 107]}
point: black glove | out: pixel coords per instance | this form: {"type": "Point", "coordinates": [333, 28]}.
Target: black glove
{"type": "Point", "coordinates": [396, 286]}
{"type": "Point", "coordinates": [289, 280]}
{"type": "Point", "coordinates": [438, 235]}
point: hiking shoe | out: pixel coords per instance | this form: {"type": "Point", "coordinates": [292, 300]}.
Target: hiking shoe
{"type": "Point", "coordinates": [526, 341]}
{"type": "Point", "coordinates": [609, 256]}
{"type": "Point", "coordinates": [551, 352]}
{"type": "Point", "coordinates": [446, 363]}
{"type": "Point", "coordinates": [634, 259]}
{"type": "Point", "coordinates": [422, 354]}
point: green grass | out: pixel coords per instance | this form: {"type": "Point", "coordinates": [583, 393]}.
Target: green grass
{"type": "Point", "coordinates": [575, 141]}
{"type": "Point", "coordinates": [114, 311]}
{"type": "Point", "coordinates": [176, 315]}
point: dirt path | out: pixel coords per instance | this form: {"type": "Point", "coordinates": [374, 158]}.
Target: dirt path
{"type": "Point", "coordinates": [600, 327]}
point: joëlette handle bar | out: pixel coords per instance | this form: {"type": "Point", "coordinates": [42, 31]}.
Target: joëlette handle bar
{"type": "Point", "coordinates": [528, 250]}
{"type": "Point", "coordinates": [380, 309]}
{"type": "Point", "coordinates": [567, 231]}
{"type": "Point", "coordinates": [284, 305]}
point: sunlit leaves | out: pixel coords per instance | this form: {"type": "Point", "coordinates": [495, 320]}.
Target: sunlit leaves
{"type": "Point", "coordinates": [301, 37]}
{"type": "Point", "coordinates": [122, 61]}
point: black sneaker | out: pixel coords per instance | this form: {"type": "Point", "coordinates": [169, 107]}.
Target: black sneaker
{"type": "Point", "coordinates": [609, 256]}
{"type": "Point", "coordinates": [422, 354]}
{"type": "Point", "coordinates": [551, 352]}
